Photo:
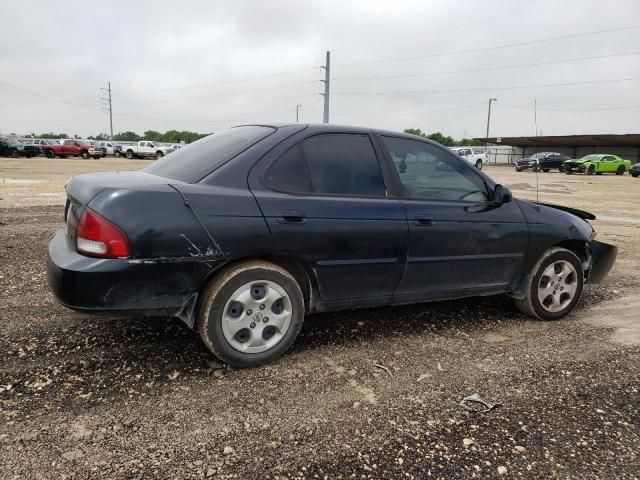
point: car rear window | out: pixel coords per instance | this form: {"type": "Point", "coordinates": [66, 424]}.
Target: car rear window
{"type": "Point", "coordinates": [196, 160]}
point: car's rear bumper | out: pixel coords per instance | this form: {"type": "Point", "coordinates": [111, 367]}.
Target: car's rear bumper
{"type": "Point", "coordinates": [603, 257]}
{"type": "Point", "coordinates": [124, 286]}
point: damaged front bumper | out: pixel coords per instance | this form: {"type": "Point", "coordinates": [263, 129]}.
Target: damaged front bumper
{"type": "Point", "coordinates": [131, 287]}
{"type": "Point", "coordinates": [601, 258]}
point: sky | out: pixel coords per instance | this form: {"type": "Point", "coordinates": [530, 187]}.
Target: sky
{"type": "Point", "coordinates": [204, 65]}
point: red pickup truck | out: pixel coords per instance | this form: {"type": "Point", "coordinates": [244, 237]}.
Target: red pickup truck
{"type": "Point", "coordinates": [73, 148]}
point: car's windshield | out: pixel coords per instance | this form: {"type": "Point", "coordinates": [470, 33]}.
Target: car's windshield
{"type": "Point", "coordinates": [537, 156]}
{"type": "Point", "coordinates": [590, 157]}
{"type": "Point", "coordinates": [196, 160]}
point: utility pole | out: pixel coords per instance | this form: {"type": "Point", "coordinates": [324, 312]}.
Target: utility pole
{"type": "Point", "coordinates": [298, 113]}
{"type": "Point", "coordinates": [108, 109]}
{"type": "Point", "coordinates": [488, 122]}
{"type": "Point", "coordinates": [327, 78]}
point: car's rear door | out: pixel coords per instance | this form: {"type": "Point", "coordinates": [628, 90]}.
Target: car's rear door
{"type": "Point", "coordinates": [324, 198]}
{"type": "Point", "coordinates": [460, 242]}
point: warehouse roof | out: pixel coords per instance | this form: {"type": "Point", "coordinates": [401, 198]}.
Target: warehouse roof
{"type": "Point", "coordinates": [629, 139]}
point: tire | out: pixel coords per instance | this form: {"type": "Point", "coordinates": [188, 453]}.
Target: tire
{"type": "Point", "coordinates": [545, 170]}
{"type": "Point", "coordinates": [159, 155]}
{"type": "Point", "coordinates": [96, 157]}
{"type": "Point", "coordinates": [218, 307]}
{"type": "Point", "coordinates": [117, 154]}
{"type": "Point", "coordinates": [14, 154]}
{"type": "Point", "coordinates": [634, 175]}
{"type": "Point", "coordinates": [620, 170]}
{"type": "Point", "coordinates": [591, 170]}
{"type": "Point", "coordinates": [49, 154]}
{"type": "Point", "coordinates": [564, 290]}
{"type": "Point", "coordinates": [85, 155]}
{"type": "Point", "coordinates": [518, 169]}
{"type": "Point", "coordinates": [479, 164]}
{"type": "Point", "coordinates": [130, 154]}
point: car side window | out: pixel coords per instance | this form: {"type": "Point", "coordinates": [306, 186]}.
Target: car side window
{"type": "Point", "coordinates": [343, 164]}
{"type": "Point", "coordinates": [289, 172]}
{"type": "Point", "coordinates": [428, 173]}
{"type": "Point", "coordinates": [333, 164]}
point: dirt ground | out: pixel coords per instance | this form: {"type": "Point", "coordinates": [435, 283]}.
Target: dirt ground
{"type": "Point", "coordinates": [84, 397]}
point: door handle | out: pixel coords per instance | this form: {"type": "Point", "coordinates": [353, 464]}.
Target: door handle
{"type": "Point", "coordinates": [424, 220]}
{"type": "Point", "coordinates": [292, 216]}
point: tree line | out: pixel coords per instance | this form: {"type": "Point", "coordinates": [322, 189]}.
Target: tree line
{"type": "Point", "coordinates": [171, 136]}
{"type": "Point", "coordinates": [444, 139]}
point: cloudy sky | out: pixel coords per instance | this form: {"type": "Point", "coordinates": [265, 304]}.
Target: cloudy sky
{"type": "Point", "coordinates": [429, 64]}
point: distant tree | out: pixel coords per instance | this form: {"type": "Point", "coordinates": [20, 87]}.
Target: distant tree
{"type": "Point", "coordinates": [152, 135]}
{"type": "Point", "coordinates": [414, 131]}
{"type": "Point", "coordinates": [469, 142]}
{"type": "Point", "coordinates": [127, 137]}
{"type": "Point", "coordinates": [52, 135]}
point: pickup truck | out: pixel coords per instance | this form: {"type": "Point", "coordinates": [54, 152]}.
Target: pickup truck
{"type": "Point", "coordinates": [475, 156]}
{"type": "Point", "coordinates": [71, 148]}
{"type": "Point", "coordinates": [145, 149]}
{"type": "Point", "coordinates": [112, 148]}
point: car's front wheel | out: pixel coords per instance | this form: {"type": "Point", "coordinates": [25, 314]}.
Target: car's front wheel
{"type": "Point", "coordinates": [251, 314]}
{"type": "Point", "coordinates": [554, 285]}
{"type": "Point", "coordinates": [591, 170]}
{"type": "Point", "coordinates": [479, 164]}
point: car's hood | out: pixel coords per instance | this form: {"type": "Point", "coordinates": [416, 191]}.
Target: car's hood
{"type": "Point", "coordinates": [574, 211]}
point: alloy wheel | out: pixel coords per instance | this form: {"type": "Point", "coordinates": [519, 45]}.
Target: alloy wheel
{"type": "Point", "coordinates": [557, 286]}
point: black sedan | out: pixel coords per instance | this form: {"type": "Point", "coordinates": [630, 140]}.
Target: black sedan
{"type": "Point", "coordinates": [635, 170]}
{"type": "Point", "coordinates": [245, 231]}
{"type": "Point", "coordinates": [11, 147]}
{"type": "Point", "coordinates": [544, 161]}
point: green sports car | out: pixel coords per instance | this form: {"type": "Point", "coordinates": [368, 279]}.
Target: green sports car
{"type": "Point", "coordinates": [597, 163]}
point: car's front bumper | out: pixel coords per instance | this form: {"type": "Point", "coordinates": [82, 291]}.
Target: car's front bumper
{"type": "Point", "coordinates": [603, 257]}
{"type": "Point", "coordinates": [167, 286]}
{"type": "Point", "coordinates": [573, 167]}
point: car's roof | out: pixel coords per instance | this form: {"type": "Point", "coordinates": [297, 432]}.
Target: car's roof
{"type": "Point", "coordinates": [331, 127]}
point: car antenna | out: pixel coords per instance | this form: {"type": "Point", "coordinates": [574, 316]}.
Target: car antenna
{"type": "Point", "coordinates": [535, 124]}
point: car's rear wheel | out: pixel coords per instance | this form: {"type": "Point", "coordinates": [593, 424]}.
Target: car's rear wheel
{"type": "Point", "coordinates": [250, 314]}
{"type": "Point", "coordinates": [554, 285]}
{"type": "Point", "coordinates": [479, 164]}
{"type": "Point", "coordinates": [620, 170]}
{"type": "Point", "coordinates": [591, 170]}
{"type": "Point", "coordinates": [85, 155]}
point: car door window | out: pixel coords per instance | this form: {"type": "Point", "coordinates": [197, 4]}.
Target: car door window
{"type": "Point", "coordinates": [427, 172]}
{"type": "Point", "coordinates": [289, 173]}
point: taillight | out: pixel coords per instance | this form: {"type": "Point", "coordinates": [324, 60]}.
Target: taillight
{"type": "Point", "coordinates": [98, 237]}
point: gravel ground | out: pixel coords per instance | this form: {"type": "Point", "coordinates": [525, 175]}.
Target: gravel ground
{"type": "Point", "coordinates": [85, 397]}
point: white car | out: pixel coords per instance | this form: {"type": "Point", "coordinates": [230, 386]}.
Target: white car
{"type": "Point", "coordinates": [474, 155]}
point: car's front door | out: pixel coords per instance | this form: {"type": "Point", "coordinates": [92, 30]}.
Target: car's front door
{"type": "Point", "coordinates": [325, 201]}
{"type": "Point", "coordinates": [608, 164]}
{"type": "Point", "coordinates": [460, 241]}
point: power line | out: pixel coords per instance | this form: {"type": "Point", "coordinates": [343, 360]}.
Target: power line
{"type": "Point", "coordinates": [48, 97]}
{"type": "Point", "coordinates": [232, 104]}
{"type": "Point", "coordinates": [495, 47]}
{"type": "Point", "coordinates": [174, 120]}
{"type": "Point", "coordinates": [487, 69]}
{"type": "Point", "coordinates": [603, 109]}
{"type": "Point", "coordinates": [462, 90]}
{"type": "Point", "coordinates": [204, 97]}
{"type": "Point", "coordinates": [398, 114]}
{"type": "Point", "coordinates": [229, 82]}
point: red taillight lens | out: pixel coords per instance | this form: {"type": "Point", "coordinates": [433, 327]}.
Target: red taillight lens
{"type": "Point", "coordinates": [98, 237]}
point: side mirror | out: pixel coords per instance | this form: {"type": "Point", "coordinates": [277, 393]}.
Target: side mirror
{"type": "Point", "coordinates": [502, 194]}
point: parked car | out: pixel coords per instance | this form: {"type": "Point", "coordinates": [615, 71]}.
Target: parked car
{"type": "Point", "coordinates": [598, 164]}
{"type": "Point", "coordinates": [71, 148]}
{"type": "Point", "coordinates": [146, 149]}
{"type": "Point", "coordinates": [544, 161]}
{"type": "Point", "coordinates": [111, 148]}
{"type": "Point", "coordinates": [635, 170]}
{"type": "Point", "coordinates": [473, 155]}
{"type": "Point", "coordinates": [12, 147]}
{"type": "Point", "coordinates": [242, 233]}
{"type": "Point", "coordinates": [41, 142]}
